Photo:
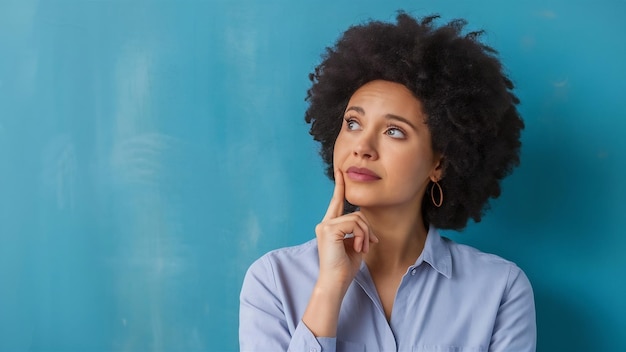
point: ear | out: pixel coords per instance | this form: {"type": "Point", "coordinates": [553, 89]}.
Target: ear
{"type": "Point", "coordinates": [438, 171]}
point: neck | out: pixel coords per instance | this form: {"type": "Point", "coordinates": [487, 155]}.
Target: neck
{"type": "Point", "coordinates": [402, 236]}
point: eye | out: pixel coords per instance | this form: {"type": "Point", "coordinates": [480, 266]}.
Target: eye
{"type": "Point", "coordinates": [352, 125]}
{"type": "Point", "coordinates": [395, 132]}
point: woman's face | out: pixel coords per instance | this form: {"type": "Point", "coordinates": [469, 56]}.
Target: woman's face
{"type": "Point", "coordinates": [384, 148]}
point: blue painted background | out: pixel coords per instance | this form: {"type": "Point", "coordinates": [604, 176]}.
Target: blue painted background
{"type": "Point", "coordinates": [151, 150]}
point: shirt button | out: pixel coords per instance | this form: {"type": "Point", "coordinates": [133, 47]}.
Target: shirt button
{"type": "Point", "coordinates": [413, 272]}
{"type": "Point", "coordinates": [313, 349]}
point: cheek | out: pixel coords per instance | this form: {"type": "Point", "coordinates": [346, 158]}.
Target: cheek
{"type": "Point", "coordinates": [339, 150]}
{"type": "Point", "coordinates": [335, 155]}
{"type": "Point", "coordinates": [413, 166]}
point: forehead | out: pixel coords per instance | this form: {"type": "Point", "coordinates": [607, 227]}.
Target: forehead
{"type": "Point", "coordinates": [385, 97]}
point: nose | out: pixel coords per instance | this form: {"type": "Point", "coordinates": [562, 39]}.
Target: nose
{"type": "Point", "coordinates": [365, 146]}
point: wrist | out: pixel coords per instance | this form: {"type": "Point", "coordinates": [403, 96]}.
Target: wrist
{"type": "Point", "coordinates": [332, 286]}
{"type": "Point", "coordinates": [329, 292]}
{"type": "Point", "coordinates": [322, 313]}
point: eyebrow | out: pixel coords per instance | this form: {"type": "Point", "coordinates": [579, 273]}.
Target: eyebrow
{"type": "Point", "coordinates": [387, 116]}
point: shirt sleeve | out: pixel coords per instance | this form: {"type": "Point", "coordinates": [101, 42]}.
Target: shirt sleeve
{"type": "Point", "coordinates": [515, 328]}
{"type": "Point", "coordinates": [262, 322]}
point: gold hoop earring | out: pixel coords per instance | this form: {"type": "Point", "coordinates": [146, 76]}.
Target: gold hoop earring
{"type": "Point", "coordinates": [432, 194]}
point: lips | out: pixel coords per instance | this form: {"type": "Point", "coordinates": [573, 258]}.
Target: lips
{"type": "Point", "coordinates": [362, 174]}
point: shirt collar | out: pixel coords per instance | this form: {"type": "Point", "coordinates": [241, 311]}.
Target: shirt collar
{"type": "Point", "coordinates": [436, 253]}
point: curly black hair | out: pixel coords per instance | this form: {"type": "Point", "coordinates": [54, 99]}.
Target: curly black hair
{"type": "Point", "coordinates": [467, 98]}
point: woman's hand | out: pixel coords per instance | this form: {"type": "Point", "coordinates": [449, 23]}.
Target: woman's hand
{"type": "Point", "coordinates": [341, 242]}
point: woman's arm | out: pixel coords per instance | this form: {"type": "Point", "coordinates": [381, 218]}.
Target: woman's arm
{"type": "Point", "coordinates": [341, 240]}
{"type": "Point", "coordinates": [262, 321]}
{"type": "Point", "coordinates": [515, 328]}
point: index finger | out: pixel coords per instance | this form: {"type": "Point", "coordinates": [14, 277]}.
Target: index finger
{"type": "Point", "coordinates": [335, 208]}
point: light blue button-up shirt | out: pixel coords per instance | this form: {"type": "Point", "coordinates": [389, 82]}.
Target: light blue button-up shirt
{"type": "Point", "coordinates": [454, 298]}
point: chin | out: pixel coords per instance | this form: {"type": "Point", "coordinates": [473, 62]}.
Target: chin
{"type": "Point", "coordinates": [360, 201]}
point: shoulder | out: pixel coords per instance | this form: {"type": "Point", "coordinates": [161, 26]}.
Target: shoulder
{"type": "Point", "coordinates": [288, 255]}
{"type": "Point", "coordinates": [469, 263]}
{"type": "Point", "coordinates": [283, 275]}
{"type": "Point", "coordinates": [500, 290]}
{"type": "Point", "coordinates": [293, 252]}
{"type": "Point", "coordinates": [287, 260]}
{"type": "Point", "coordinates": [474, 256]}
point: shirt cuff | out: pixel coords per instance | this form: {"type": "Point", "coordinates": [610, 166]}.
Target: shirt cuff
{"type": "Point", "coordinates": [304, 340]}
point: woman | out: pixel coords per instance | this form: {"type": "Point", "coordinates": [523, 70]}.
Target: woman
{"type": "Point", "coordinates": [418, 126]}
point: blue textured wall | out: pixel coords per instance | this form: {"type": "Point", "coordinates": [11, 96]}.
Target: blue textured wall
{"type": "Point", "coordinates": [151, 150]}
